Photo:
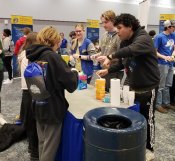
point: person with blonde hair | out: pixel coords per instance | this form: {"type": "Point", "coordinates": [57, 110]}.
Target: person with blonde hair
{"type": "Point", "coordinates": [58, 77]}
{"type": "Point", "coordinates": [110, 41]}
{"type": "Point", "coordinates": [81, 50]}
{"type": "Point", "coordinates": [109, 44]}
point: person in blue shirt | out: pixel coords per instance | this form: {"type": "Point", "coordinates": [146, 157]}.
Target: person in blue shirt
{"type": "Point", "coordinates": [164, 44]}
{"type": "Point", "coordinates": [64, 44]}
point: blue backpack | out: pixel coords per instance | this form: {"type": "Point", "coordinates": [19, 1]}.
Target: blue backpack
{"type": "Point", "coordinates": [35, 76]}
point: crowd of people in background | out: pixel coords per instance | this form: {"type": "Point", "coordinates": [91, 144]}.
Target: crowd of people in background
{"type": "Point", "coordinates": [125, 51]}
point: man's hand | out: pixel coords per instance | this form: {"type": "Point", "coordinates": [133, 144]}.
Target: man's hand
{"type": "Point", "coordinates": [102, 72]}
{"type": "Point", "coordinates": [106, 63]}
{"type": "Point", "coordinates": [101, 59]}
{"type": "Point", "coordinates": [169, 58]}
{"type": "Point", "coordinates": [0, 51]}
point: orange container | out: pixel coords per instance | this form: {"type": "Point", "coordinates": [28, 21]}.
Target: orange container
{"type": "Point", "coordinates": [100, 88]}
{"type": "Point", "coordinates": [100, 95]}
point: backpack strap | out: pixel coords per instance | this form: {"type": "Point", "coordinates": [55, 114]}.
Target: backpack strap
{"type": "Point", "coordinates": [45, 71]}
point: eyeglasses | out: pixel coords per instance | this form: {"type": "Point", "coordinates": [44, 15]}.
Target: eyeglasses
{"type": "Point", "coordinates": [78, 31]}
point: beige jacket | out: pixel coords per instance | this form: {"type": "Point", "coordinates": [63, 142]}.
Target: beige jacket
{"type": "Point", "coordinates": [109, 44]}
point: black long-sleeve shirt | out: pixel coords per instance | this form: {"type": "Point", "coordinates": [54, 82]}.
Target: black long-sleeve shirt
{"type": "Point", "coordinates": [59, 77]}
{"type": "Point", "coordinates": [140, 61]}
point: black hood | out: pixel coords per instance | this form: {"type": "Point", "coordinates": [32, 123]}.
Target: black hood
{"type": "Point", "coordinates": [35, 51]}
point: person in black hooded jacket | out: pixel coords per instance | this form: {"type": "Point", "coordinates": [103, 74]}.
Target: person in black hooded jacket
{"type": "Point", "coordinates": [58, 78]}
{"type": "Point", "coordinates": [139, 59]}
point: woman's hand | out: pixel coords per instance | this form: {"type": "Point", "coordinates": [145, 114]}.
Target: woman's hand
{"type": "Point", "coordinates": [76, 56]}
{"type": "Point", "coordinates": [95, 56]}
{"type": "Point", "coordinates": [71, 58]}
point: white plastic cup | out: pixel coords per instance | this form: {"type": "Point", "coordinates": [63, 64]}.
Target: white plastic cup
{"type": "Point", "coordinates": [126, 88]}
{"type": "Point", "coordinates": [125, 96]}
{"type": "Point", "coordinates": [131, 97]}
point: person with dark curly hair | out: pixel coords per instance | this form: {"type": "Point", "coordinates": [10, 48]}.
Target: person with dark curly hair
{"type": "Point", "coordinates": [72, 35]}
{"type": "Point", "coordinates": [152, 33]}
{"type": "Point", "coordinates": [140, 62]}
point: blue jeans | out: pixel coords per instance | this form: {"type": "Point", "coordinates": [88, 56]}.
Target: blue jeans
{"type": "Point", "coordinates": [166, 80]}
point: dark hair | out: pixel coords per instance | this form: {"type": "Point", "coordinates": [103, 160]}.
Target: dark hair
{"type": "Point", "coordinates": [166, 28]}
{"type": "Point", "coordinates": [142, 27]}
{"type": "Point", "coordinates": [152, 33]}
{"type": "Point", "coordinates": [61, 33]}
{"type": "Point", "coordinates": [7, 32]}
{"type": "Point", "coordinates": [72, 33]}
{"type": "Point", "coordinates": [127, 20]}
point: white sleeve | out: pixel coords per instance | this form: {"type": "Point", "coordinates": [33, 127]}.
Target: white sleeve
{"type": "Point", "coordinates": [6, 44]}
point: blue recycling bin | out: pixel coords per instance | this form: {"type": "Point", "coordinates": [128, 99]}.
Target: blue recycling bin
{"type": "Point", "coordinates": [114, 134]}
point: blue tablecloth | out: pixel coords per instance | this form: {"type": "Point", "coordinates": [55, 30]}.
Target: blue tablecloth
{"type": "Point", "coordinates": [71, 146]}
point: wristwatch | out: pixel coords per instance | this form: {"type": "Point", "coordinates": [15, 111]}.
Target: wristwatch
{"type": "Point", "coordinates": [109, 57]}
{"type": "Point", "coordinates": [80, 56]}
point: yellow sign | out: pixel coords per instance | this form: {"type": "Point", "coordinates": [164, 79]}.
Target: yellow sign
{"type": "Point", "coordinates": [93, 23]}
{"type": "Point", "coordinates": [22, 20]}
{"type": "Point", "coordinates": [167, 16]}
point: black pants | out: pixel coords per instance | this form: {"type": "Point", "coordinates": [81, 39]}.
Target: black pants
{"type": "Point", "coordinates": [29, 122]}
{"type": "Point", "coordinates": [147, 102]}
{"type": "Point", "coordinates": [8, 65]}
{"type": "Point", "coordinates": [1, 79]}
{"type": "Point", "coordinates": [89, 80]}
{"type": "Point", "coordinates": [172, 92]}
